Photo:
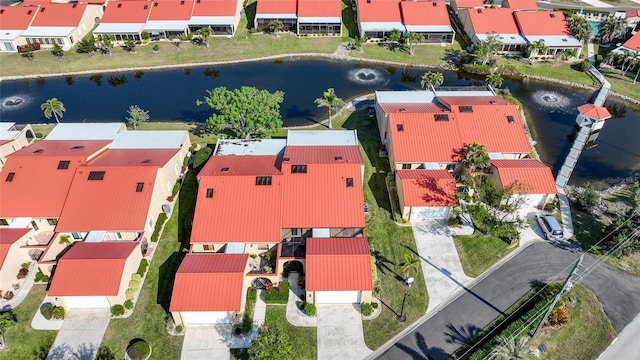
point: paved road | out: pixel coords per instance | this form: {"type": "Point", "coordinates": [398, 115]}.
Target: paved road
{"type": "Point", "coordinates": [451, 327]}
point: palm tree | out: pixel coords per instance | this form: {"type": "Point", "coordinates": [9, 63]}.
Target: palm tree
{"type": "Point", "coordinates": [205, 33]}
{"type": "Point", "coordinates": [537, 47]}
{"type": "Point", "coordinates": [476, 157]}
{"type": "Point", "coordinates": [53, 107]}
{"type": "Point", "coordinates": [410, 265]}
{"type": "Point", "coordinates": [635, 60]}
{"type": "Point", "coordinates": [413, 39]}
{"type": "Point", "coordinates": [431, 79]}
{"type": "Point", "coordinates": [580, 27]}
{"type": "Point", "coordinates": [494, 80]}
{"type": "Point", "coordinates": [612, 28]}
{"type": "Point", "coordinates": [512, 349]}
{"type": "Point", "coordinates": [331, 101]}
{"type": "Point", "coordinates": [275, 26]}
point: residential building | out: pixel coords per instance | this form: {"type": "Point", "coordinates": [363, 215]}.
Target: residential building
{"type": "Point", "coordinates": [457, 5]}
{"type": "Point", "coordinates": [528, 179]}
{"type": "Point", "coordinates": [429, 19]}
{"type": "Point", "coordinates": [480, 23]}
{"type": "Point", "coordinates": [632, 45]}
{"type": "Point", "coordinates": [169, 18]}
{"type": "Point", "coordinates": [13, 138]}
{"type": "Point", "coordinates": [125, 20]}
{"type": "Point", "coordinates": [14, 20]}
{"type": "Point", "coordinates": [223, 16]}
{"type": "Point", "coordinates": [12, 256]}
{"type": "Point", "coordinates": [377, 19]}
{"type": "Point", "coordinates": [285, 11]}
{"type": "Point", "coordinates": [319, 17]}
{"type": "Point", "coordinates": [527, 5]}
{"type": "Point", "coordinates": [550, 27]}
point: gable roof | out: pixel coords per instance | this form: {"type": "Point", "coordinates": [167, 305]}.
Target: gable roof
{"type": "Point", "coordinates": [633, 43]}
{"type": "Point", "coordinates": [319, 8]}
{"type": "Point", "coordinates": [235, 165]}
{"type": "Point", "coordinates": [92, 269]}
{"type": "Point", "coordinates": [171, 10]}
{"type": "Point", "coordinates": [543, 23]}
{"type": "Point", "coordinates": [214, 8]}
{"type": "Point", "coordinates": [209, 282]}
{"type": "Point", "coordinates": [130, 11]}
{"type": "Point", "coordinates": [535, 176]}
{"type": "Point", "coordinates": [17, 17]}
{"type": "Point", "coordinates": [59, 15]}
{"type": "Point", "coordinates": [277, 7]}
{"type": "Point", "coordinates": [462, 4]}
{"type": "Point", "coordinates": [378, 11]}
{"type": "Point", "coordinates": [134, 157]}
{"type": "Point", "coordinates": [8, 236]}
{"type": "Point", "coordinates": [427, 187]}
{"type": "Point", "coordinates": [520, 4]}
{"type": "Point", "coordinates": [38, 188]}
{"type": "Point", "coordinates": [112, 203]}
{"type": "Point", "coordinates": [424, 13]}
{"type": "Point", "coordinates": [323, 155]}
{"type": "Point", "coordinates": [595, 112]}
{"type": "Point", "coordinates": [493, 20]}
{"type": "Point", "coordinates": [338, 264]}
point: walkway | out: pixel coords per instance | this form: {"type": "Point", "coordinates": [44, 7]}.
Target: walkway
{"type": "Point", "coordinates": [80, 335]}
{"type": "Point", "coordinates": [340, 334]}
{"type": "Point", "coordinates": [443, 273]}
{"type": "Point", "coordinates": [565, 210]}
{"type": "Point", "coordinates": [294, 316]}
{"type": "Point", "coordinates": [626, 345]}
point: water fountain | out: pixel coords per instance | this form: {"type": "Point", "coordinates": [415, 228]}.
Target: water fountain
{"type": "Point", "coordinates": [369, 76]}
{"type": "Point", "coordinates": [14, 102]}
{"type": "Point", "coordinates": [551, 99]}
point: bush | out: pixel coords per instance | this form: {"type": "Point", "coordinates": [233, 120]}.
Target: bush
{"type": "Point", "coordinates": [155, 47]}
{"type": "Point", "coordinates": [179, 329]}
{"type": "Point", "coordinates": [24, 266]}
{"type": "Point", "coordinates": [559, 316]}
{"type": "Point", "coordinates": [47, 310]}
{"type": "Point", "coordinates": [22, 273]}
{"type": "Point", "coordinates": [549, 207]}
{"type": "Point", "coordinates": [453, 221]}
{"type": "Point", "coordinates": [159, 223]}
{"type": "Point", "coordinates": [29, 47]}
{"type": "Point", "coordinates": [58, 313]}
{"type": "Point", "coordinates": [41, 277]}
{"type": "Point", "coordinates": [142, 268]}
{"type": "Point", "coordinates": [139, 350]}
{"type": "Point", "coordinates": [176, 187]}
{"type": "Point", "coordinates": [128, 304]}
{"type": "Point", "coordinates": [130, 294]}
{"type": "Point", "coordinates": [8, 295]}
{"type": "Point", "coordinates": [586, 198]}
{"type": "Point", "coordinates": [117, 310]}
{"type": "Point", "coordinates": [247, 320]}
{"type": "Point", "coordinates": [310, 309]}
{"type": "Point", "coordinates": [476, 69]}
{"type": "Point", "coordinates": [584, 65]}
{"type": "Point", "coordinates": [367, 309]}
{"type": "Point", "coordinates": [374, 305]}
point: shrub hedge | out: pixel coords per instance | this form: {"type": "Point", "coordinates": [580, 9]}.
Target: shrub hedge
{"type": "Point", "coordinates": [117, 310]}
{"type": "Point", "coordinates": [310, 309]}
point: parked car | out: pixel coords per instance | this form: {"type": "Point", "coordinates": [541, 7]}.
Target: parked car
{"type": "Point", "coordinates": [550, 226]}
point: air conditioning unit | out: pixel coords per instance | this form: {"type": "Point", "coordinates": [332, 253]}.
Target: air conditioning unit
{"type": "Point", "coordinates": [166, 208]}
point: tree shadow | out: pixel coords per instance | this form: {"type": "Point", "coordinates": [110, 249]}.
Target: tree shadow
{"type": "Point", "coordinates": [81, 352]}
{"type": "Point", "coordinates": [423, 350]}
{"type": "Point", "coordinates": [348, 16]}
{"type": "Point", "coordinates": [382, 263]}
{"type": "Point", "coordinates": [250, 13]}
{"type": "Point", "coordinates": [462, 334]}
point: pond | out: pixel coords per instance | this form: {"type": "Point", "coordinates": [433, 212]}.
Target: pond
{"type": "Point", "coordinates": [170, 95]}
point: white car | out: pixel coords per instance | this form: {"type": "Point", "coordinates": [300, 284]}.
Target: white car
{"type": "Point", "coordinates": [550, 227]}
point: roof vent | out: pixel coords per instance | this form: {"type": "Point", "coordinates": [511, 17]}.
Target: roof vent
{"type": "Point", "coordinates": [298, 169]}
{"type": "Point", "coordinates": [74, 6]}
{"type": "Point", "coordinates": [139, 187]}
{"type": "Point", "coordinates": [479, 11]}
{"type": "Point", "coordinates": [146, 161]}
{"type": "Point", "coordinates": [38, 151]}
{"type": "Point", "coordinates": [120, 5]}
{"type": "Point", "coordinates": [441, 117]}
{"type": "Point", "coordinates": [29, 12]}
{"type": "Point", "coordinates": [465, 109]}
{"type": "Point", "coordinates": [182, 2]}
{"type": "Point", "coordinates": [146, 7]}
{"type": "Point", "coordinates": [286, 159]}
{"type": "Point", "coordinates": [224, 169]}
{"type": "Point", "coordinates": [263, 180]}
{"type": "Point", "coordinates": [565, 40]}
{"type": "Point", "coordinates": [552, 15]}
{"type": "Point", "coordinates": [492, 101]}
{"type": "Point", "coordinates": [510, 119]}
{"type": "Point", "coordinates": [209, 193]}
{"type": "Point", "coordinates": [10, 177]}
{"type": "Point", "coordinates": [198, 1]}
{"type": "Point", "coordinates": [368, 1]}
{"type": "Point", "coordinates": [155, 4]}
{"type": "Point", "coordinates": [400, 127]}
{"type": "Point", "coordinates": [1, 11]}
{"type": "Point", "coordinates": [338, 158]}
{"type": "Point", "coordinates": [77, 147]}
{"type": "Point", "coordinates": [435, 3]}
{"type": "Point", "coordinates": [42, 10]}
{"type": "Point", "coordinates": [402, 110]}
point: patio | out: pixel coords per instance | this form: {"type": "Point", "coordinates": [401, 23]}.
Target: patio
{"type": "Point", "coordinates": [292, 249]}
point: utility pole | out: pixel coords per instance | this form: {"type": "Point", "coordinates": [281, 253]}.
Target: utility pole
{"type": "Point", "coordinates": [565, 288]}
{"type": "Point", "coordinates": [402, 317]}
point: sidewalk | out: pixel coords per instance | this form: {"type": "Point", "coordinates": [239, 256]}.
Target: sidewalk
{"type": "Point", "coordinates": [565, 209]}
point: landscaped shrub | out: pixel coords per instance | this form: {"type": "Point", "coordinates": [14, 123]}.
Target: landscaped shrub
{"type": "Point", "coordinates": [29, 47]}
{"type": "Point", "coordinates": [179, 329]}
{"type": "Point", "coordinates": [47, 310]}
{"type": "Point", "coordinates": [278, 295]}
{"type": "Point", "coordinates": [117, 310]}
{"type": "Point", "coordinates": [453, 221]}
{"type": "Point", "coordinates": [58, 313]}
{"type": "Point", "coordinates": [367, 309]}
{"type": "Point", "coordinates": [128, 304]}
{"type": "Point", "coordinates": [176, 187]}
{"type": "Point", "coordinates": [142, 268]}
{"type": "Point", "coordinates": [374, 305]}
{"type": "Point", "coordinates": [550, 207]}
{"type": "Point", "coordinates": [310, 309]}
{"type": "Point", "coordinates": [155, 47]}
{"type": "Point", "coordinates": [22, 273]}
{"type": "Point", "coordinates": [8, 295]}
{"type": "Point", "coordinates": [139, 350]}
{"type": "Point", "coordinates": [129, 294]}
{"type": "Point", "coordinates": [159, 223]}
{"type": "Point", "coordinates": [24, 266]}
{"type": "Point", "coordinates": [476, 69]}
{"type": "Point", "coordinates": [559, 316]}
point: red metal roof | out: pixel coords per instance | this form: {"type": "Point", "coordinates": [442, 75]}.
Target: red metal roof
{"type": "Point", "coordinates": [473, 100]}
{"type": "Point", "coordinates": [425, 140]}
{"type": "Point", "coordinates": [171, 10]}
{"type": "Point", "coordinates": [427, 187]}
{"type": "Point", "coordinates": [241, 165]}
{"type": "Point", "coordinates": [8, 236]}
{"type": "Point", "coordinates": [108, 204]}
{"type": "Point", "coordinates": [534, 175]}
{"type": "Point", "coordinates": [521, 5]}
{"type": "Point", "coordinates": [338, 264]}
{"type": "Point", "coordinates": [277, 7]}
{"type": "Point", "coordinates": [134, 157]}
{"type": "Point", "coordinates": [379, 11]}
{"type": "Point", "coordinates": [39, 188]}
{"type": "Point", "coordinates": [301, 155]}
{"type": "Point", "coordinates": [487, 21]}
{"type": "Point", "coordinates": [462, 4]}
{"type": "Point", "coordinates": [59, 15]}
{"type": "Point", "coordinates": [215, 8]}
{"type": "Point", "coordinates": [319, 8]}
{"type": "Point", "coordinates": [411, 107]}
{"type": "Point", "coordinates": [238, 210]}
{"type": "Point", "coordinates": [632, 13]}
{"type": "Point", "coordinates": [321, 198]}
{"type": "Point", "coordinates": [595, 112]}
{"type": "Point", "coordinates": [209, 282]}
{"type": "Point", "coordinates": [533, 23]}
{"type": "Point", "coordinates": [16, 17]}
{"type": "Point", "coordinates": [425, 13]}
{"type": "Point", "coordinates": [92, 269]}
{"type": "Point", "coordinates": [136, 12]}
{"type": "Point", "coordinates": [633, 42]}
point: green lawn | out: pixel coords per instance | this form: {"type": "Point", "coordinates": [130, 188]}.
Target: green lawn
{"type": "Point", "coordinates": [479, 252]}
{"type": "Point", "coordinates": [585, 337]}
{"type": "Point", "coordinates": [304, 339]}
{"type": "Point", "coordinates": [23, 342]}
{"type": "Point", "coordinates": [427, 54]}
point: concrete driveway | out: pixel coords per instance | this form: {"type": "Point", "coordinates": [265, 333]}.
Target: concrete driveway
{"type": "Point", "coordinates": [210, 341]}
{"type": "Point", "coordinates": [441, 266]}
{"type": "Point", "coordinates": [80, 335]}
{"type": "Point", "coordinates": [340, 334]}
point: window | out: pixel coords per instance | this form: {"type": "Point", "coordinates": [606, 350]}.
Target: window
{"type": "Point", "coordinates": [10, 176]}
{"type": "Point", "coordinates": [207, 247]}
{"type": "Point", "coordinates": [441, 117]}
{"type": "Point", "coordinates": [349, 182]}
{"type": "Point", "coordinates": [34, 225]}
{"type": "Point", "coordinates": [406, 166]}
{"type": "Point", "coordinates": [510, 119]}
{"type": "Point", "coordinates": [52, 221]}
{"type": "Point", "coordinates": [210, 192]}
{"type": "Point", "coordinates": [263, 246]}
{"type": "Point", "coordinates": [451, 167]}
{"type": "Point", "coordinates": [119, 236]}
{"type": "Point", "coordinates": [298, 169]}
{"type": "Point", "coordinates": [4, 222]}
{"type": "Point", "coordinates": [338, 158]}
{"type": "Point", "coordinates": [465, 109]}
{"type": "Point", "coordinates": [77, 236]}
{"type": "Point", "coordinates": [63, 164]}
{"type": "Point", "coordinates": [295, 232]}
{"type": "Point", "coordinates": [263, 180]}
{"type": "Point", "coordinates": [96, 175]}
{"type": "Point", "coordinates": [139, 186]}
{"type": "Point", "coordinates": [400, 127]}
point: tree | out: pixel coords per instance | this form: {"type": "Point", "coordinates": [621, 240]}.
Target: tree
{"type": "Point", "coordinates": [413, 39]}
{"type": "Point", "coordinates": [486, 49]}
{"type": "Point", "coordinates": [512, 349]}
{"type": "Point", "coordinates": [130, 45]}
{"type": "Point", "coordinates": [331, 101]}
{"type": "Point", "coordinates": [53, 107]}
{"type": "Point", "coordinates": [537, 47]}
{"type": "Point", "coordinates": [431, 79]}
{"type": "Point", "coordinates": [57, 51]}
{"type": "Point", "coordinates": [86, 46]}
{"type": "Point", "coordinates": [137, 116]}
{"type": "Point", "coordinates": [612, 28]}
{"type": "Point", "coordinates": [205, 33]}
{"type": "Point", "coordinates": [271, 343]}
{"type": "Point", "coordinates": [246, 112]}
{"type": "Point", "coordinates": [6, 321]}
{"type": "Point", "coordinates": [395, 36]}
{"type": "Point", "coordinates": [580, 27]}
{"type": "Point", "coordinates": [494, 80]}
{"type": "Point", "coordinates": [475, 157]}
{"type": "Point", "coordinates": [106, 43]}
{"type": "Point", "coordinates": [635, 61]}
{"type": "Point", "coordinates": [410, 265]}
{"type": "Point", "coordinates": [28, 53]}
{"type": "Point", "coordinates": [275, 26]}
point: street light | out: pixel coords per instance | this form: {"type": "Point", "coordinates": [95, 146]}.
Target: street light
{"type": "Point", "coordinates": [402, 317]}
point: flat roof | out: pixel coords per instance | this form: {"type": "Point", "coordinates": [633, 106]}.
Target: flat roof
{"type": "Point", "coordinates": [399, 97]}
{"type": "Point", "coordinates": [250, 147]}
{"type": "Point", "coordinates": [62, 31]}
{"type": "Point", "coordinates": [322, 138]}
{"type": "Point", "coordinates": [119, 28]}
{"type": "Point", "coordinates": [86, 131]}
{"type": "Point", "coordinates": [150, 139]}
